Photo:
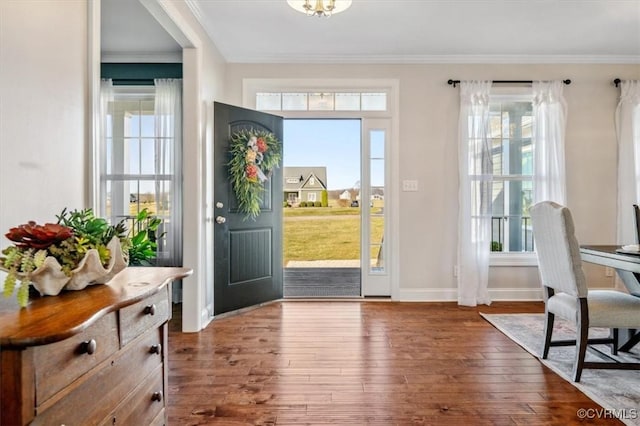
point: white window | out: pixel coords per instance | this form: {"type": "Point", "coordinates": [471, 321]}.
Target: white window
{"type": "Point", "coordinates": [312, 181]}
{"type": "Point", "coordinates": [311, 196]}
{"type": "Point", "coordinates": [511, 139]}
{"type": "Point", "coordinates": [139, 167]}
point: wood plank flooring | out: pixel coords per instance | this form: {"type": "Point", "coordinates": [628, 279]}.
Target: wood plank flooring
{"type": "Point", "coordinates": [363, 363]}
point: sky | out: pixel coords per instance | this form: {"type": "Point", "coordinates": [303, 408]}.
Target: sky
{"type": "Point", "coordinates": [331, 143]}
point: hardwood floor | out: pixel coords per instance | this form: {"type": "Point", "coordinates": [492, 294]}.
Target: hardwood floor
{"type": "Point", "coordinates": [357, 363]}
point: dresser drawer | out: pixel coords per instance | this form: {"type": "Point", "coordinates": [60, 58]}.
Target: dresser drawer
{"type": "Point", "coordinates": [161, 418]}
{"type": "Point", "coordinates": [59, 364]}
{"type": "Point", "coordinates": [92, 398]}
{"type": "Point", "coordinates": [143, 405]}
{"type": "Point", "coordinates": [146, 314]}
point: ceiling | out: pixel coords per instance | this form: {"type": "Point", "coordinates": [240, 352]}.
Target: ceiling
{"type": "Point", "coordinates": [399, 31]}
{"type": "Point", "coordinates": [129, 31]}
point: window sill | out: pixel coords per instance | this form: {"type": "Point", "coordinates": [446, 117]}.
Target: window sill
{"type": "Point", "coordinates": [513, 259]}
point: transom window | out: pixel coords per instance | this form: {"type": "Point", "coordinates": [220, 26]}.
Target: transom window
{"type": "Point", "coordinates": [321, 101]}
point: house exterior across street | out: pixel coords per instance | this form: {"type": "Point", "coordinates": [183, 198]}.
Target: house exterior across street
{"type": "Point", "coordinates": [304, 184]}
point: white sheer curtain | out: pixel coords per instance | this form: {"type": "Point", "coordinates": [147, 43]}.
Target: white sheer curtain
{"type": "Point", "coordinates": [106, 114]}
{"type": "Point", "coordinates": [628, 132]}
{"type": "Point", "coordinates": [168, 169]}
{"type": "Point", "coordinates": [475, 189]}
{"type": "Point", "coordinates": [549, 118]}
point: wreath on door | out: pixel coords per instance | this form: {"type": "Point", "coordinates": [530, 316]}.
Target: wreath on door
{"type": "Point", "coordinates": [254, 154]}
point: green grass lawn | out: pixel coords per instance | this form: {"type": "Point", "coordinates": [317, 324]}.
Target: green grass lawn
{"type": "Point", "coordinates": [325, 211]}
{"type": "Point", "coordinates": [312, 234]}
{"type": "Point", "coordinates": [318, 233]}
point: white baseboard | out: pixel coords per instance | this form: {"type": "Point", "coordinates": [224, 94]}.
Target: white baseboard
{"type": "Point", "coordinates": [451, 295]}
{"type": "Point", "coordinates": [205, 318]}
{"type": "Point", "coordinates": [427, 295]}
{"type": "Point", "coordinates": [516, 294]}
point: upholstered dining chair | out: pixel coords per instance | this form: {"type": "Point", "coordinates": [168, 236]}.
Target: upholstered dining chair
{"type": "Point", "coordinates": [636, 217]}
{"type": "Point", "coordinates": [566, 294]}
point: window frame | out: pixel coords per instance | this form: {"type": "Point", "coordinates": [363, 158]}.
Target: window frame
{"type": "Point", "coordinates": [324, 100]}
{"type": "Point", "coordinates": [135, 93]}
{"type": "Point", "coordinates": [510, 259]}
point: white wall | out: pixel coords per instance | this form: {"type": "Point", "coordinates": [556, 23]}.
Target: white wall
{"type": "Point", "coordinates": [43, 100]}
{"type": "Point", "coordinates": [428, 130]}
{"type": "Point", "coordinates": [203, 82]}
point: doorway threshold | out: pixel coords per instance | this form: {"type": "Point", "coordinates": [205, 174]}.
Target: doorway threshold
{"type": "Point", "coordinates": [321, 282]}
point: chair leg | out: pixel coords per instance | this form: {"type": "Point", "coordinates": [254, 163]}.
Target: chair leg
{"type": "Point", "coordinates": [581, 339]}
{"type": "Point", "coordinates": [614, 344]}
{"type": "Point", "coordinates": [548, 331]}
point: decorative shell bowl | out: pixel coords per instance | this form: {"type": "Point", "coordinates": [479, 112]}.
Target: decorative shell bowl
{"type": "Point", "coordinates": [50, 280]}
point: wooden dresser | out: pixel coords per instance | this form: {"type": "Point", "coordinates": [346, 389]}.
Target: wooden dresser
{"type": "Point", "coordinates": [97, 356]}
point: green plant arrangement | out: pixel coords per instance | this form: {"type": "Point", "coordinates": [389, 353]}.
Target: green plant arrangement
{"type": "Point", "coordinates": [77, 250]}
{"type": "Point", "coordinates": [142, 239]}
{"type": "Point", "coordinates": [254, 154]}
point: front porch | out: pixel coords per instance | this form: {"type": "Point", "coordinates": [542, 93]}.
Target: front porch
{"type": "Point", "coordinates": [321, 282]}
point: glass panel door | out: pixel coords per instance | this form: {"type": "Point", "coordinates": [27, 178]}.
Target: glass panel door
{"type": "Point", "coordinates": [375, 236]}
{"type": "Point", "coordinates": [376, 200]}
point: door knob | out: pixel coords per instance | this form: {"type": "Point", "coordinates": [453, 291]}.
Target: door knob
{"type": "Point", "coordinates": [220, 219]}
{"type": "Point", "coordinates": [88, 347]}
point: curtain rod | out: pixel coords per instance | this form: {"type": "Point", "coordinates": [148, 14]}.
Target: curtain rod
{"type": "Point", "coordinates": [456, 82]}
{"type": "Point", "coordinates": [617, 82]}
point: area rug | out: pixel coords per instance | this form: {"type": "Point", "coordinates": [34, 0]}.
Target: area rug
{"type": "Point", "coordinates": [615, 390]}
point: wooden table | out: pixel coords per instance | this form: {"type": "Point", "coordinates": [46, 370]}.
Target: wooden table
{"type": "Point", "coordinates": [93, 356]}
{"type": "Point", "coordinates": [627, 266]}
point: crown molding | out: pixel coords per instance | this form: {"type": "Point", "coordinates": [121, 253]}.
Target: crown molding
{"type": "Point", "coordinates": [195, 9]}
{"type": "Point", "coordinates": [203, 21]}
{"type": "Point", "coordinates": [437, 59]}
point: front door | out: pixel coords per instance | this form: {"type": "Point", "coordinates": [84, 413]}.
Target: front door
{"type": "Point", "coordinates": [247, 251]}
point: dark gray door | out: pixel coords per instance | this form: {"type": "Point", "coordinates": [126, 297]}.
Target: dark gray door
{"type": "Point", "coordinates": [247, 252]}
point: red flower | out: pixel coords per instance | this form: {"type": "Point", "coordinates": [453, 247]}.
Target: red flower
{"type": "Point", "coordinates": [36, 236]}
{"type": "Point", "coordinates": [252, 171]}
{"type": "Point", "coordinates": [261, 144]}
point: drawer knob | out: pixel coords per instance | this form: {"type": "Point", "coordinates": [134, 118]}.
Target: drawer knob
{"type": "Point", "coordinates": [150, 310]}
{"type": "Point", "coordinates": [157, 396]}
{"type": "Point", "coordinates": [88, 347]}
{"type": "Point", "coordinates": [156, 349]}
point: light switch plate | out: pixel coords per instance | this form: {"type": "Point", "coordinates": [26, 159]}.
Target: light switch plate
{"type": "Point", "coordinates": [410, 185]}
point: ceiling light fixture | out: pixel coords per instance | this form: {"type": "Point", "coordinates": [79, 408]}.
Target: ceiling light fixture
{"type": "Point", "coordinates": [319, 8]}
